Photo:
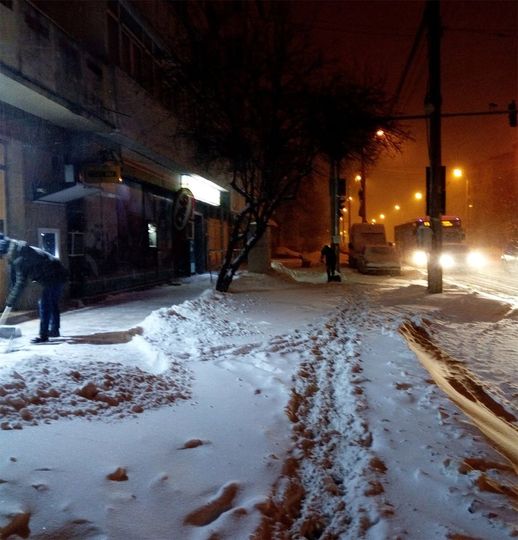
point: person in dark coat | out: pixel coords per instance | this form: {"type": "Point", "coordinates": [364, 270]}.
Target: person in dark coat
{"type": "Point", "coordinates": [328, 253]}
{"type": "Point", "coordinates": [29, 262]}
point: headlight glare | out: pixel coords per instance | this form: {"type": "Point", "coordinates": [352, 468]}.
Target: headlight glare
{"type": "Point", "coordinates": [419, 258]}
{"type": "Point", "coordinates": [475, 259]}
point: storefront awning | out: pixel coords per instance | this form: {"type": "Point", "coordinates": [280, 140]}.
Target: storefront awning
{"type": "Point", "coordinates": [77, 191]}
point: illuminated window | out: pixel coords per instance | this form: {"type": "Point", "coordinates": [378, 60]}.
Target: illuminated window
{"type": "Point", "coordinates": [48, 240]}
{"type": "Point", "coordinates": [151, 235]}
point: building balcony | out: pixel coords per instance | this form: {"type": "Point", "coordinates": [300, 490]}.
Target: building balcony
{"type": "Point", "coordinates": [45, 73]}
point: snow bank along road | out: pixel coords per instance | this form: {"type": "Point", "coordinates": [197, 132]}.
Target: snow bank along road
{"type": "Point", "coordinates": [288, 408]}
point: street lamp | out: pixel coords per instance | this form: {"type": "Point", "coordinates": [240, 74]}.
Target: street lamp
{"type": "Point", "coordinates": [457, 173]}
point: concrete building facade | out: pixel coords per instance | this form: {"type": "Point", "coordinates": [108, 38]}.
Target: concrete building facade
{"type": "Point", "coordinates": [90, 168]}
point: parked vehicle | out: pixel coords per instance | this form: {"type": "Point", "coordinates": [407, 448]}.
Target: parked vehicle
{"type": "Point", "coordinates": [370, 252]}
{"type": "Point", "coordinates": [379, 259]}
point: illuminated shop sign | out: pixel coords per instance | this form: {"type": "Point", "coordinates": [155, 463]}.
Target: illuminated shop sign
{"type": "Point", "coordinates": [102, 173]}
{"type": "Point", "coordinates": [183, 208]}
{"type": "Point", "coordinates": [203, 190]}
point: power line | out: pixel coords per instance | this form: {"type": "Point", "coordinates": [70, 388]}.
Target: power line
{"type": "Point", "coordinates": [410, 60]}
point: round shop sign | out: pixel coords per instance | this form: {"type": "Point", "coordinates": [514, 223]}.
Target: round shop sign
{"type": "Point", "coordinates": [183, 208]}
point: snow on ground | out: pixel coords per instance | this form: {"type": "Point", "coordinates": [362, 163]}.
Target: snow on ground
{"type": "Point", "coordinates": [287, 408]}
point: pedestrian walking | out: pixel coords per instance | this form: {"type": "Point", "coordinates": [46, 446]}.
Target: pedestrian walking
{"type": "Point", "coordinates": [329, 255]}
{"type": "Point", "coordinates": [32, 263]}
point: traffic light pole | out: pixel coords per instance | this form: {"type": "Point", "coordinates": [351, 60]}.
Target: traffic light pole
{"type": "Point", "coordinates": [433, 104]}
{"type": "Point", "coordinates": [334, 174]}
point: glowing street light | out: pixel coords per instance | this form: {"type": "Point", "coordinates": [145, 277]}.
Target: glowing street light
{"type": "Point", "coordinates": [358, 178]}
{"type": "Point", "coordinates": [382, 216]}
{"type": "Point", "coordinates": [397, 207]}
{"type": "Point", "coordinates": [458, 173]}
{"type": "Point", "coordinates": [418, 196]}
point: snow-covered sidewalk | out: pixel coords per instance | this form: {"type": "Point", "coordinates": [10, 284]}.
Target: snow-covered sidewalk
{"type": "Point", "coordinates": [286, 408]}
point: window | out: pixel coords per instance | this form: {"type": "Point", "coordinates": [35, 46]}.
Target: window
{"type": "Point", "coordinates": [131, 48]}
{"type": "Point", "coordinates": [151, 235]}
{"type": "Point", "coordinates": [48, 240]}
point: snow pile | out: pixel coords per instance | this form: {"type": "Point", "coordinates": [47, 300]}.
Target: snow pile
{"type": "Point", "coordinates": [43, 389]}
{"type": "Point", "coordinates": [194, 327]}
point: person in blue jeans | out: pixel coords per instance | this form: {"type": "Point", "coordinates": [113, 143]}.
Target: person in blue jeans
{"type": "Point", "coordinates": [29, 262]}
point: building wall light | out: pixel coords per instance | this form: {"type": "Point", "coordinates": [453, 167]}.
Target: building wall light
{"type": "Point", "coordinates": [203, 190]}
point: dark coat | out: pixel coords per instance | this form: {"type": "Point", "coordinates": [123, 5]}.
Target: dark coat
{"type": "Point", "coordinates": [28, 262]}
{"type": "Point", "coordinates": [329, 254]}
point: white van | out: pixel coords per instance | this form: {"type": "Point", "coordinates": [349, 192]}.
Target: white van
{"type": "Point", "coordinates": [369, 251]}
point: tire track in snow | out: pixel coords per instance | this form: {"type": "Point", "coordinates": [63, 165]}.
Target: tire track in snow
{"type": "Point", "coordinates": [471, 396]}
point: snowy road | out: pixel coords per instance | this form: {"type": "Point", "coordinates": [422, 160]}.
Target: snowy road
{"type": "Point", "coordinates": [493, 281]}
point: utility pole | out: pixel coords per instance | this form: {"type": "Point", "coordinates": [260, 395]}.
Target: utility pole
{"type": "Point", "coordinates": [435, 189]}
{"type": "Point", "coordinates": [334, 174]}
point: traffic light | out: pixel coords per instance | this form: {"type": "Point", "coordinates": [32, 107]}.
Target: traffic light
{"type": "Point", "coordinates": [512, 113]}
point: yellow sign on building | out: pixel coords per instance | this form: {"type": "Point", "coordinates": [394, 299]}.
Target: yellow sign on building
{"type": "Point", "coordinates": [101, 173]}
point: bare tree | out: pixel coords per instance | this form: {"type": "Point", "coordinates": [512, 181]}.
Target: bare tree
{"type": "Point", "coordinates": [253, 102]}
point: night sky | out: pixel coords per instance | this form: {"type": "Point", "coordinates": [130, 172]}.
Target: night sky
{"type": "Point", "coordinates": [479, 67]}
